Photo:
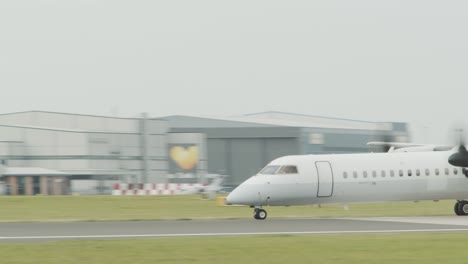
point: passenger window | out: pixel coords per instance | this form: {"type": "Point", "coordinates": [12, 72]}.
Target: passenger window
{"type": "Point", "coordinates": [374, 174]}
{"type": "Point", "coordinates": [400, 172]}
{"type": "Point", "coordinates": [418, 172]}
{"type": "Point", "coordinates": [364, 174]}
{"type": "Point", "coordinates": [392, 173]}
{"type": "Point", "coordinates": [437, 172]}
{"type": "Point", "coordinates": [410, 173]}
{"type": "Point", "coordinates": [354, 174]}
{"type": "Point", "coordinates": [383, 174]}
{"type": "Point", "coordinates": [345, 175]}
{"type": "Point", "coordinates": [455, 171]}
{"type": "Point", "coordinates": [446, 171]}
{"type": "Point", "coordinates": [427, 172]}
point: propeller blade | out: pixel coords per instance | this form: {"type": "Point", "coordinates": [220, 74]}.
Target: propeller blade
{"type": "Point", "coordinates": [460, 158]}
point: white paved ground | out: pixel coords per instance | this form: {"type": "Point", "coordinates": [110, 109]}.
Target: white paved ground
{"type": "Point", "coordinates": [437, 220]}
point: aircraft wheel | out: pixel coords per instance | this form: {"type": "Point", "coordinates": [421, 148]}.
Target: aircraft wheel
{"type": "Point", "coordinates": [463, 208]}
{"type": "Point", "coordinates": [260, 214]}
{"type": "Point", "coordinates": [455, 208]}
{"type": "Point", "coordinates": [255, 213]}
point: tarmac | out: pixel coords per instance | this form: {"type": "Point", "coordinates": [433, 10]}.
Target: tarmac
{"type": "Point", "coordinates": [54, 231]}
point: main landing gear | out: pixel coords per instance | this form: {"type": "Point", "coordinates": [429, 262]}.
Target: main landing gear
{"type": "Point", "coordinates": [259, 213]}
{"type": "Point", "coordinates": [461, 207]}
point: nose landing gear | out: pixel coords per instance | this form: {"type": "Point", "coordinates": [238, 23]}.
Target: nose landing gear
{"type": "Point", "coordinates": [260, 214]}
{"type": "Point", "coordinates": [461, 208]}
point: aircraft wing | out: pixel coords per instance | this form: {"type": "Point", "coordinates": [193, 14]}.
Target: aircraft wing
{"type": "Point", "coordinates": [395, 145]}
{"type": "Point", "coordinates": [405, 147]}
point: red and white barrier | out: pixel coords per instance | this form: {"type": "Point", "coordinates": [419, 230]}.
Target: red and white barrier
{"type": "Point", "coordinates": [152, 188]}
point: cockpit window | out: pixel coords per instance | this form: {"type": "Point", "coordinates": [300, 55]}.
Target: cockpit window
{"type": "Point", "coordinates": [287, 170]}
{"type": "Point", "coordinates": [275, 169]}
{"type": "Point", "coordinates": [270, 169]}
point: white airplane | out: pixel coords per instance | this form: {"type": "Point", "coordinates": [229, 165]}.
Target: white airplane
{"type": "Point", "coordinates": [214, 187]}
{"type": "Point", "coordinates": [408, 172]}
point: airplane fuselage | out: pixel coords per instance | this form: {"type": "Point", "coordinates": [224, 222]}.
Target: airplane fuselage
{"type": "Point", "coordinates": [355, 178]}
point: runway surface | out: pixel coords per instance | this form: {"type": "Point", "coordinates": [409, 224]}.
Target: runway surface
{"type": "Point", "coordinates": [35, 232]}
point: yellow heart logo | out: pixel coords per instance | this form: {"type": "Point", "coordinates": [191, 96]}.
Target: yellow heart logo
{"type": "Point", "coordinates": [186, 158]}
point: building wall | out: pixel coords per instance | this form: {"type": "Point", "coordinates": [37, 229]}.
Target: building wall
{"type": "Point", "coordinates": [71, 121]}
{"type": "Point", "coordinates": [155, 145]}
{"type": "Point", "coordinates": [34, 185]}
{"type": "Point", "coordinates": [187, 160]}
{"type": "Point", "coordinates": [241, 158]}
{"type": "Point", "coordinates": [10, 134]}
{"type": "Point", "coordinates": [45, 148]}
{"type": "Point", "coordinates": [241, 149]}
{"type": "Point", "coordinates": [336, 141]}
{"type": "Point", "coordinates": [240, 152]}
{"type": "Point", "coordinates": [139, 149]}
{"type": "Point", "coordinates": [85, 152]}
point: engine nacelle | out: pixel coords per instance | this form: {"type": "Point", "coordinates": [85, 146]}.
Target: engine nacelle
{"type": "Point", "coordinates": [459, 159]}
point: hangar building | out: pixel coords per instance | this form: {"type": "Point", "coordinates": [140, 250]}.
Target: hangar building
{"type": "Point", "coordinates": [240, 146]}
{"type": "Point", "coordinates": [88, 154]}
{"type": "Point", "coordinates": [93, 151]}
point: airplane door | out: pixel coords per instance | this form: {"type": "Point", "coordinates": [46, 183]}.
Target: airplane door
{"type": "Point", "coordinates": [325, 179]}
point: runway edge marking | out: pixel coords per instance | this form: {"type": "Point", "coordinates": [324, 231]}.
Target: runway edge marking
{"type": "Point", "coordinates": [236, 234]}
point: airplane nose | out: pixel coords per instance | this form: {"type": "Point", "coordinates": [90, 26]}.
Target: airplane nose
{"type": "Point", "coordinates": [246, 194]}
{"type": "Point", "coordinates": [234, 197]}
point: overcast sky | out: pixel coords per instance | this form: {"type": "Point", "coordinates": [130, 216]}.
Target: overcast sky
{"type": "Point", "coordinates": [370, 60]}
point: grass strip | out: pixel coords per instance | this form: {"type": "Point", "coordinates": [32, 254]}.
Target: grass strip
{"type": "Point", "coordinates": [352, 248]}
{"type": "Point", "coordinates": [118, 208]}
